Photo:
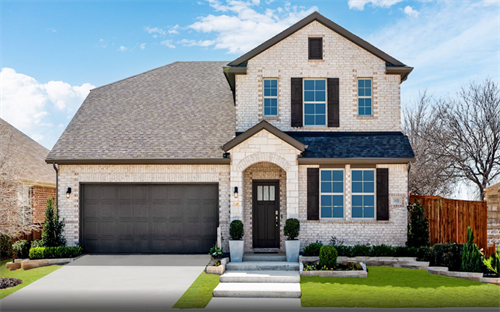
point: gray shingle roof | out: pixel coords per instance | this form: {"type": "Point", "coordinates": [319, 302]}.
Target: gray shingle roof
{"type": "Point", "coordinates": [26, 154]}
{"type": "Point", "coordinates": [181, 110]}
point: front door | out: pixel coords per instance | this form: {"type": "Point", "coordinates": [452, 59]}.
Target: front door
{"type": "Point", "coordinates": [266, 209]}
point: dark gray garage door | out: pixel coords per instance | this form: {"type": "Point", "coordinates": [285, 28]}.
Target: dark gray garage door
{"type": "Point", "coordinates": [150, 218]}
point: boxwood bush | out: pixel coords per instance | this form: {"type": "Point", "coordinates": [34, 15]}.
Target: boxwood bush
{"type": "Point", "coordinates": [292, 228]}
{"type": "Point", "coordinates": [236, 230]}
{"type": "Point", "coordinates": [328, 256]}
{"type": "Point", "coordinates": [55, 252]}
{"type": "Point", "coordinates": [312, 249]}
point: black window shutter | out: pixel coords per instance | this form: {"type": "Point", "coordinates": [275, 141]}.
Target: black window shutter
{"type": "Point", "coordinates": [296, 102]}
{"type": "Point", "coordinates": [315, 48]}
{"type": "Point", "coordinates": [312, 193]}
{"type": "Point", "coordinates": [333, 102]}
{"type": "Point", "coordinates": [382, 194]}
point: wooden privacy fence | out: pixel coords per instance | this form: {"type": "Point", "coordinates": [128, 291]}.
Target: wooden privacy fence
{"type": "Point", "coordinates": [449, 219]}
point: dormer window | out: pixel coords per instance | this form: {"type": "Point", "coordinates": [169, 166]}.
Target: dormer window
{"type": "Point", "coordinates": [315, 48]}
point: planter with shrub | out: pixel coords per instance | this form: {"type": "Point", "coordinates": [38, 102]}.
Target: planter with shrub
{"type": "Point", "coordinates": [236, 243]}
{"type": "Point", "coordinates": [292, 244]}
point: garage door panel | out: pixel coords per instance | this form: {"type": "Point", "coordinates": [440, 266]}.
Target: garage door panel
{"type": "Point", "coordinates": [126, 218]}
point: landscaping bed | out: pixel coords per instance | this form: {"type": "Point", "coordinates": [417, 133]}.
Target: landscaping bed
{"type": "Point", "coordinates": [8, 282]}
{"type": "Point", "coordinates": [342, 269]}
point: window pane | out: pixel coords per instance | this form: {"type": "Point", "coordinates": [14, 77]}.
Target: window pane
{"type": "Point", "coordinates": [361, 111]}
{"type": "Point", "coordinates": [274, 92]}
{"type": "Point", "coordinates": [361, 91]}
{"type": "Point", "coordinates": [357, 175]}
{"type": "Point", "coordinates": [309, 120]}
{"type": "Point", "coordinates": [308, 84]}
{"type": "Point", "coordinates": [326, 175]}
{"type": "Point", "coordinates": [338, 212]}
{"type": "Point", "coordinates": [320, 108]}
{"type": "Point", "coordinates": [368, 175]}
{"type": "Point", "coordinates": [369, 212]}
{"type": "Point", "coordinates": [368, 83]}
{"type": "Point", "coordinates": [320, 96]}
{"type": "Point", "coordinates": [338, 187]}
{"type": "Point", "coordinates": [368, 92]}
{"type": "Point", "coordinates": [357, 212]}
{"type": "Point", "coordinates": [272, 192]}
{"type": "Point", "coordinates": [320, 120]}
{"type": "Point", "coordinates": [309, 109]}
{"type": "Point", "coordinates": [274, 83]}
{"type": "Point", "coordinates": [338, 175]}
{"type": "Point", "coordinates": [267, 92]}
{"type": "Point", "coordinates": [357, 187]}
{"type": "Point", "coordinates": [309, 96]}
{"type": "Point", "coordinates": [357, 200]}
{"type": "Point", "coordinates": [361, 83]}
{"type": "Point", "coordinates": [338, 200]}
{"type": "Point", "coordinates": [267, 111]}
{"type": "Point", "coordinates": [326, 187]}
{"type": "Point", "coordinates": [326, 212]}
{"type": "Point", "coordinates": [326, 200]}
{"type": "Point", "coordinates": [267, 83]}
{"type": "Point", "coordinates": [368, 187]}
{"type": "Point", "coordinates": [368, 200]}
{"type": "Point", "coordinates": [274, 111]}
{"type": "Point", "coordinates": [259, 192]}
{"type": "Point", "coordinates": [368, 111]}
{"type": "Point", "coordinates": [320, 84]}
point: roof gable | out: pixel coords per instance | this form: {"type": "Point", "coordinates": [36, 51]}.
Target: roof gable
{"type": "Point", "coordinates": [326, 22]}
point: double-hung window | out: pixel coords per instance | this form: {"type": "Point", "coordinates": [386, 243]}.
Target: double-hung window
{"type": "Point", "coordinates": [314, 102]}
{"type": "Point", "coordinates": [270, 97]}
{"type": "Point", "coordinates": [363, 194]}
{"type": "Point", "coordinates": [364, 97]}
{"type": "Point", "coordinates": [332, 194]}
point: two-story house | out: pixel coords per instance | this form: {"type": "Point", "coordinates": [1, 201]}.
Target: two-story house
{"type": "Point", "coordinates": [306, 125]}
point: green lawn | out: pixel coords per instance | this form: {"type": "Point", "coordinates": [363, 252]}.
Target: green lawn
{"type": "Point", "coordinates": [199, 293]}
{"type": "Point", "coordinates": [388, 287]}
{"type": "Point", "coordinates": [28, 277]}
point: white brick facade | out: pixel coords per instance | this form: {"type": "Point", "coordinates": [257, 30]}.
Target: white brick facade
{"type": "Point", "coordinates": [341, 59]}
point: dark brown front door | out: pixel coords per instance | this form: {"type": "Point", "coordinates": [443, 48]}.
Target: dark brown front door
{"type": "Point", "coordinates": [266, 209]}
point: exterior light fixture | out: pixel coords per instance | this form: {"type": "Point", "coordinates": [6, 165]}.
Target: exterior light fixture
{"type": "Point", "coordinates": [235, 192]}
{"type": "Point", "coordinates": [68, 192]}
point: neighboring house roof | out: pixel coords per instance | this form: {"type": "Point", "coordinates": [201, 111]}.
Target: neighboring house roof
{"type": "Point", "coordinates": [394, 66]}
{"type": "Point", "coordinates": [178, 113]}
{"type": "Point", "coordinates": [29, 156]}
{"type": "Point", "coordinates": [263, 125]}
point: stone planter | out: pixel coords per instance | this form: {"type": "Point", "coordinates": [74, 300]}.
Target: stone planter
{"type": "Point", "coordinates": [236, 250]}
{"type": "Point", "coordinates": [219, 270]}
{"type": "Point", "coordinates": [360, 273]}
{"type": "Point", "coordinates": [292, 250]}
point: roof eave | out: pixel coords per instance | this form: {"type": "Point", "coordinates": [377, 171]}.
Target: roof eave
{"type": "Point", "coordinates": [143, 161]}
{"type": "Point", "coordinates": [336, 161]}
{"type": "Point", "coordinates": [403, 71]}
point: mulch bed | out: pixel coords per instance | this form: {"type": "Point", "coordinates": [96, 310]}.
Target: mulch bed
{"type": "Point", "coordinates": [8, 282]}
{"type": "Point", "coordinates": [341, 266]}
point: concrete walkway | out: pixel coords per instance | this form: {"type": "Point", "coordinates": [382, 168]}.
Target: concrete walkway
{"type": "Point", "coordinates": [111, 283]}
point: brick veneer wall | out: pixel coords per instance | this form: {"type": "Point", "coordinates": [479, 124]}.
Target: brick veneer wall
{"type": "Point", "coordinates": [262, 171]}
{"type": "Point", "coordinates": [341, 59]}
{"type": "Point", "coordinates": [492, 197]}
{"type": "Point", "coordinates": [392, 232]}
{"type": "Point", "coordinates": [73, 175]}
{"type": "Point", "coordinates": [40, 196]}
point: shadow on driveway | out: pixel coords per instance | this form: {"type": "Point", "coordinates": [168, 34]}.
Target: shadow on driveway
{"type": "Point", "coordinates": [111, 283]}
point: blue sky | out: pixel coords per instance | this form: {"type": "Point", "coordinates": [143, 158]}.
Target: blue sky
{"type": "Point", "coordinates": [53, 52]}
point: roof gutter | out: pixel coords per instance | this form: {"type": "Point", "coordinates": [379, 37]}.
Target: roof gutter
{"type": "Point", "coordinates": [147, 161]}
{"type": "Point", "coordinates": [356, 161]}
{"type": "Point", "coordinates": [403, 71]}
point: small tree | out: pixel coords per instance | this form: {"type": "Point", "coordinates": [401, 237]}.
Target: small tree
{"type": "Point", "coordinates": [292, 228]}
{"type": "Point", "coordinates": [52, 235]}
{"type": "Point", "coordinates": [418, 227]}
{"type": "Point", "coordinates": [471, 256]}
{"type": "Point", "coordinates": [236, 230]}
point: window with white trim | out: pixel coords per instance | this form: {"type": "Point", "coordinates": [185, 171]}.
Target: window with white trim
{"type": "Point", "coordinates": [332, 194]}
{"type": "Point", "coordinates": [270, 97]}
{"type": "Point", "coordinates": [314, 102]}
{"type": "Point", "coordinates": [363, 194]}
{"type": "Point", "coordinates": [364, 97]}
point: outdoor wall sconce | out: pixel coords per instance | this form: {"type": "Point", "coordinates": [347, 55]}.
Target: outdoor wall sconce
{"type": "Point", "coordinates": [68, 192]}
{"type": "Point", "coordinates": [235, 192]}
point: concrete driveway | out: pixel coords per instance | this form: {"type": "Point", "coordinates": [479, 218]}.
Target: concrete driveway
{"type": "Point", "coordinates": [111, 283]}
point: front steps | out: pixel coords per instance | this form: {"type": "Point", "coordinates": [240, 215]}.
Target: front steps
{"type": "Point", "coordinates": [260, 276]}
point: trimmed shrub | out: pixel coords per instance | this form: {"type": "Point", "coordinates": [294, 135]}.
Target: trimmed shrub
{"type": "Point", "coordinates": [418, 227]}
{"type": "Point", "coordinates": [447, 255]}
{"type": "Point", "coordinates": [37, 243]}
{"type": "Point", "coordinates": [361, 250]}
{"type": "Point", "coordinates": [6, 246]}
{"type": "Point", "coordinates": [312, 249]}
{"type": "Point", "coordinates": [292, 228]}
{"type": "Point", "coordinates": [21, 248]}
{"type": "Point", "coordinates": [382, 251]}
{"type": "Point", "coordinates": [236, 230]}
{"type": "Point", "coordinates": [55, 252]}
{"type": "Point", "coordinates": [423, 253]}
{"type": "Point", "coordinates": [52, 235]}
{"type": "Point", "coordinates": [471, 256]}
{"type": "Point", "coordinates": [345, 251]}
{"type": "Point", "coordinates": [328, 256]}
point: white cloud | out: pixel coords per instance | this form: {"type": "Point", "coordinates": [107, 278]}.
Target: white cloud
{"type": "Point", "coordinates": [142, 46]}
{"type": "Point", "coordinates": [122, 49]}
{"type": "Point", "coordinates": [241, 27]}
{"type": "Point", "coordinates": [34, 107]}
{"type": "Point", "coordinates": [360, 4]}
{"type": "Point", "coordinates": [450, 44]}
{"type": "Point", "coordinates": [155, 31]}
{"type": "Point", "coordinates": [410, 11]}
{"type": "Point", "coordinates": [168, 43]}
{"type": "Point", "coordinates": [174, 30]}
{"type": "Point", "coordinates": [200, 43]}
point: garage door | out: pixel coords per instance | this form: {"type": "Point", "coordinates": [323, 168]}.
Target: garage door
{"type": "Point", "coordinates": [151, 218]}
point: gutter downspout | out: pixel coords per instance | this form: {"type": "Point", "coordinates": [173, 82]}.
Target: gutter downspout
{"type": "Point", "coordinates": [57, 184]}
